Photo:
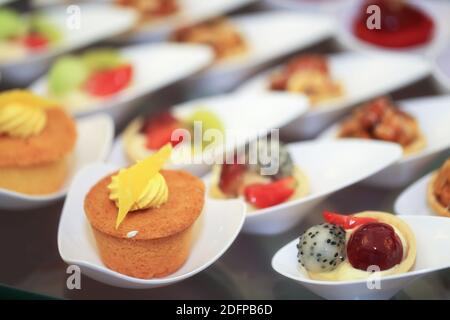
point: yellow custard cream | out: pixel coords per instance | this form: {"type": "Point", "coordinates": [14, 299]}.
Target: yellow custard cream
{"type": "Point", "coordinates": [154, 194]}
{"type": "Point", "coordinates": [22, 114]}
{"type": "Point", "coordinates": [140, 186]}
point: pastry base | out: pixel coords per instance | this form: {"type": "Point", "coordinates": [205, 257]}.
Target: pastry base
{"type": "Point", "coordinates": [145, 259]}
{"type": "Point", "coordinates": [433, 202]}
{"type": "Point", "coordinates": [416, 146]}
{"type": "Point", "coordinates": [35, 180]}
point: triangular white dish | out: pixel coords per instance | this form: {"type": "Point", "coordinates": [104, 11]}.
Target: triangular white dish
{"type": "Point", "coordinates": [76, 243]}
{"type": "Point", "coordinates": [432, 238]}
{"type": "Point", "coordinates": [95, 136]}
{"type": "Point", "coordinates": [433, 116]}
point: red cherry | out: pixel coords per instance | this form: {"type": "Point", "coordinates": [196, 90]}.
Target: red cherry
{"type": "Point", "coordinates": [108, 82]}
{"type": "Point", "coordinates": [263, 195]}
{"type": "Point", "coordinates": [374, 244]}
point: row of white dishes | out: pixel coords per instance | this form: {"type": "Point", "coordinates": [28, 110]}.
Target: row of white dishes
{"type": "Point", "coordinates": [310, 28]}
{"type": "Point", "coordinates": [330, 166]}
{"type": "Point", "coordinates": [89, 23]}
{"type": "Point", "coordinates": [238, 111]}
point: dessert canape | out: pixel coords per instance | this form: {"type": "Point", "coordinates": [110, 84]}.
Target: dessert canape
{"type": "Point", "coordinates": [151, 9]}
{"type": "Point", "coordinates": [380, 119]}
{"type": "Point", "coordinates": [36, 139]}
{"type": "Point", "coordinates": [219, 34]}
{"type": "Point", "coordinates": [147, 134]}
{"type": "Point", "coordinates": [142, 217]}
{"type": "Point", "coordinates": [260, 189]}
{"type": "Point", "coordinates": [402, 25]}
{"type": "Point", "coordinates": [20, 36]}
{"type": "Point", "coordinates": [353, 247]}
{"type": "Point", "coordinates": [96, 74]}
{"type": "Point", "coordinates": [307, 74]}
{"type": "Point", "coordinates": [438, 193]}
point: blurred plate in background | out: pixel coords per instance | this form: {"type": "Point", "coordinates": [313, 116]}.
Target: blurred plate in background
{"type": "Point", "coordinates": [154, 67]}
{"type": "Point", "coordinates": [97, 22]}
{"type": "Point", "coordinates": [363, 76]}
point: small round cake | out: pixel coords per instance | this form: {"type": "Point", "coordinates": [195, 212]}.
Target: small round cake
{"type": "Point", "coordinates": [149, 243]}
{"type": "Point", "coordinates": [35, 163]}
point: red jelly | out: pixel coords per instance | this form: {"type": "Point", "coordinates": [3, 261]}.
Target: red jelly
{"type": "Point", "coordinates": [374, 244]}
{"type": "Point", "coordinates": [402, 25]}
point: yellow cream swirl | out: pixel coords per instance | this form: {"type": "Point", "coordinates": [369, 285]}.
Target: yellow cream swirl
{"type": "Point", "coordinates": [153, 195]}
{"type": "Point", "coordinates": [22, 114]}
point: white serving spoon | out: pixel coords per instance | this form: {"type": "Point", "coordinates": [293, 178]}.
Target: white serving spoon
{"type": "Point", "coordinates": [268, 35]}
{"type": "Point", "coordinates": [154, 67]}
{"type": "Point", "coordinates": [413, 200]}
{"type": "Point", "coordinates": [363, 76]}
{"type": "Point", "coordinates": [433, 116]}
{"type": "Point", "coordinates": [191, 12]}
{"type": "Point", "coordinates": [95, 136]}
{"type": "Point", "coordinates": [432, 238]}
{"type": "Point", "coordinates": [244, 118]}
{"type": "Point", "coordinates": [76, 244]}
{"type": "Point", "coordinates": [330, 166]}
{"type": "Point", "coordinates": [96, 22]}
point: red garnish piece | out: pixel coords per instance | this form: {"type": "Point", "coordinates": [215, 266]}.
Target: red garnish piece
{"type": "Point", "coordinates": [231, 178]}
{"type": "Point", "coordinates": [159, 129]}
{"type": "Point", "coordinates": [346, 221]}
{"type": "Point", "coordinates": [108, 82]}
{"type": "Point", "coordinates": [35, 41]}
{"type": "Point", "coordinates": [263, 195]}
{"type": "Point", "coordinates": [374, 244]}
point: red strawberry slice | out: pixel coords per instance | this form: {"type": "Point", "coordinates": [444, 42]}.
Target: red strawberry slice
{"type": "Point", "coordinates": [346, 222]}
{"type": "Point", "coordinates": [160, 136]}
{"type": "Point", "coordinates": [263, 195]}
{"type": "Point", "coordinates": [231, 178]}
{"type": "Point", "coordinates": [108, 82]}
{"type": "Point", "coordinates": [159, 129]}
{"type": "Point", "coordinates": [35, 41]}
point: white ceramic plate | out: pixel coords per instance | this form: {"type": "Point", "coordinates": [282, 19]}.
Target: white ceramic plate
{"type": "Point", "coordinates": [438, 10]}
{"type": "Point", "coordinates": [191, 12]}
{"type": "Point", "coordinates": [433, 115]}
{"type": "Point", "coordinates": [330, 166]}
{"type": "Point", "coordinates": [432, 237]}
{"type": "Point", "coordinates": [216, 230]}
{"type": "Point", "coordinates": [269, 35]}
{"type": "Point", "coordinates": [413, 201]}
{"type": "Point", "coordinates": [155, 66]}
{"type": "Point", "coordinates": [363, 76]}
{"type": "Point", "coordinates": [441, 64]}
{"type": "Point", "coordinates": [97, 22]}
{"type": "Point", "coordinates": [243, 117]}
{"type": "Point", "coordinates": [95, 135]}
